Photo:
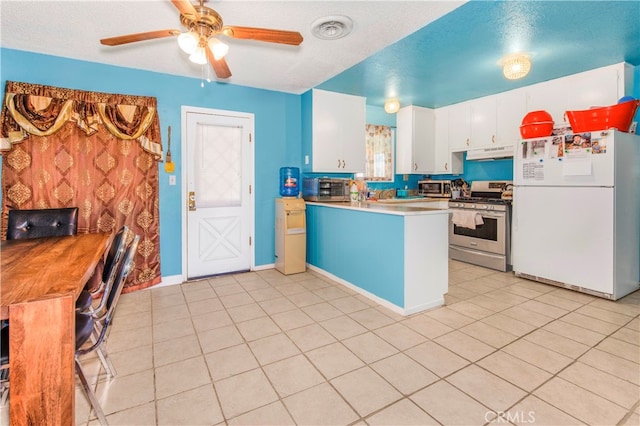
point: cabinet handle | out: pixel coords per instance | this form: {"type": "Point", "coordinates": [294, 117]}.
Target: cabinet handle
{"type": "Point", "coordinates": [493, 138]}
{"type": "Point", "coordinates": [564, 117]}
{"type": "Point", "coordinates": [415, 166]}
{"type": "Point", "coordinates": [338, 163]}
{"type": "Point", "coordinates": [343, 164]}
{"type": "Point", "coordinates": [446, 166]}
{"type": "Point", "coordinates": [467, 141]}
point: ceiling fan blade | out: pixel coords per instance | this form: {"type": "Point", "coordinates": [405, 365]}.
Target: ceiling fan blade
{"type": "Point", "coordinates": [219, 65]}
{"type": "Point", "coordinates": [263, 34]}
{"type": "Point", "coordinates": [185, 7]}
{"type": "Point", "coordinates": [132, 38]}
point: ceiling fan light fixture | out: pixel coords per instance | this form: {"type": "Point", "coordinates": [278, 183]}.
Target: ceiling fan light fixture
{"type": "Point", "coordinates": [332, 27]}
{"type": "Point", "coordinates": [391, 106]}
{"type": "Point", "coordinates": [515, 66]}
{"type": "Point", "coordinates": [188, 42]}
{"type": "Point", "coordinates": [218, 48]}
{"type": "Point", "coordinates": [199, 56]}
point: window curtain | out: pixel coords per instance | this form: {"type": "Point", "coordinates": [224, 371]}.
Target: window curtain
{"type": "Point", "coordinates": [97, 151]}
{"type": "Point", "coordinates": [379, 149]}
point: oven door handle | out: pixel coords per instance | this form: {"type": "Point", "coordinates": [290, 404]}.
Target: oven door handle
{"type": "Point", "coordinates": [498, 216]}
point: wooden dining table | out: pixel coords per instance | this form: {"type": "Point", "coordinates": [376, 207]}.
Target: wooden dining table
{"type": "Point", "coordinates": [40, 279]}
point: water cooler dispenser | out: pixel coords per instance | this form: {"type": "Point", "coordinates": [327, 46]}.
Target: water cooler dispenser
{"type": "Point", "coordinates": [291, 235]}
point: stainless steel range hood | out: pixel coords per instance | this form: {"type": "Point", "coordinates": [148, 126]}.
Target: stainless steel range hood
{"type": "Point", "coordinates": [490, 153]}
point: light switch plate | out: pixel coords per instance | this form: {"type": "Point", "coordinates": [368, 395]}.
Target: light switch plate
{"type": "Point", "coordinates": [172, 179]}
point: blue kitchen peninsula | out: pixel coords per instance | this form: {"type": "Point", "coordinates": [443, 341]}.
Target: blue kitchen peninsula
{"type": "Point", "coordinates": [396, 254]}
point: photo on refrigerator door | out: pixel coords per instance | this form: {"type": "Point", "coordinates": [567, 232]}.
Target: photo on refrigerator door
{"type": "Point", "coordinates": [557, 147]}
{"type": "Point", "coordinates": [577, 141]}
{"type": "Point", "coordinates": [599, 146]}
{"type": "Point", "coordinates": [534, 149]}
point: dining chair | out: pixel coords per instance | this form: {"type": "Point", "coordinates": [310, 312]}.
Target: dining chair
{"type": "Point", "coordinates": [86, 327]}
{"type": "Point", "coordinates": [4, 363]}
{"type": "Point", "coordinates": [39, 223]}
{"type": "Point", "coordinates": [108, 273]}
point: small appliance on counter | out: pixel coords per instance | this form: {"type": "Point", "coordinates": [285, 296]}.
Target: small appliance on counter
{"type": "Point", "coordinates": [434, 188]}
{"type": "Point", "coordinates": [326, 189]}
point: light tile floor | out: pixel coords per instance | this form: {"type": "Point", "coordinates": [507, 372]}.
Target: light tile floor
{"type": "Point", "coordinates": [262, 348]}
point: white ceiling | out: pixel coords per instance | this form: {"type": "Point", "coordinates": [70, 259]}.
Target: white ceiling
{"type": "Point", "coordinates": [73, 29]}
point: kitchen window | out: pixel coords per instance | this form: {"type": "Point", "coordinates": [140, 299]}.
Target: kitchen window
{"type": "Point", "coordinates": [379, 153]}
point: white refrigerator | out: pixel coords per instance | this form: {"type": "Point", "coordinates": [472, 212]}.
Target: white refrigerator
{"type": "Point", "coordinates": [576, 212]}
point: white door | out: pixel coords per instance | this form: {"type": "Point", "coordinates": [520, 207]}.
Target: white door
{"type": "Point", "coordinates": [219, 178]}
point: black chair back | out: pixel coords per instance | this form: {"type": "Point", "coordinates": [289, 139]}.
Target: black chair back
{"type": "Point", "coordinates": [24, 224]}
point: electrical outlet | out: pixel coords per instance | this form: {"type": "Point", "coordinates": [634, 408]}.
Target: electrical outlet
{"type": "Point", "coordinates": [172, 179]}
{"type": "Point", "coordinates": [405, 177]}
{"type": "Point", "coordinates": [306, 159]}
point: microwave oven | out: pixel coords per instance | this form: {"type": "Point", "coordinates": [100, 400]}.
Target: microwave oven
{"type": "Point", "coordinates": [325, 189]}
{"type": "Point", "coordinates": [434, 188]}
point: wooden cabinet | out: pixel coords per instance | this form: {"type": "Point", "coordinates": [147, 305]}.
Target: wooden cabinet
{"type": "Point", "coordinates": [338, 132]}
{"type": "Point", "coordinates": [415, 141]}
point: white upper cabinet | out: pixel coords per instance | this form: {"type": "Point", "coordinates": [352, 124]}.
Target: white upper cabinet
{"type": "Point", "coordinates": [486, 122]}
{"type": "Point", "coordinates": [446, 162]}
{"type": "Point", "coordinates": [511, 107]}
{"type": "Point", "coordinates": [594, 88]}
{"type": "Point", "coordinates": [338, 132]}
{"type": "Point", "coordinates": [483, 122]}
{"type": "Point", "coordinates": [415, 141]}
{"type": "Point", "coordinates": [459, 126]}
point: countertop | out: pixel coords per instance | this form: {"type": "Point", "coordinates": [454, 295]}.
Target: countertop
{"type": "Point", "coordinates": [409, 200]}
{"type": "Point", "coordinates": [397, 208]}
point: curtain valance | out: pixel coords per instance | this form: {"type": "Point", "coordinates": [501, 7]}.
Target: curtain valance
{"type": "Point", "coordinates": [33, 109]}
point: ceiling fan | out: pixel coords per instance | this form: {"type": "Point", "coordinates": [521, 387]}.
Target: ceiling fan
{"type": "Point", "coordinates": [203, 25]}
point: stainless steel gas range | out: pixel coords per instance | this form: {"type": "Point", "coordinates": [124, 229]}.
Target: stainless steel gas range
{"type": "Point", "coordinates": [480, 226]}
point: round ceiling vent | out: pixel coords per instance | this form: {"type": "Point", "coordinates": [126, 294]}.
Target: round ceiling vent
{"type": "Point", "coordinates": [332, 27]}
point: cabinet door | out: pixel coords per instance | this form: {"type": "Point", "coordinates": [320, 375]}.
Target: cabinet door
{"type": "Point", "coordinates": [551, 96]}
{"type": "Point", "coordinates": [423, 140]}
{"type": "Point", "coordinates": [404, 141]}
{"type": "Point", "coordinates": [511, 107]}
{"type": "Point", "coordinates": [442, 163]}
{"type": "Point", "coordinates": [353, 119]}
{"type": "Point", "coordinates": [483, 122]}
{"type": "Point", "coordinates": [446, 162]}
{"type": "Point", "coordinates": [459, 126]}
{"type": "Point", "coordinates": [415, 143]}
{"type": "Point", "coordinates": [338, 132]}
{"type": "Point", "coordinates": [595, 88]}
{"type": "Point", "coordinates": [326, 132]}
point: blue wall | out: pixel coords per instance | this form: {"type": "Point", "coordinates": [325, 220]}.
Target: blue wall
{"type": "Point", "coordinates": [279, 118]}
{"type": "Point", "coordinates": [277, 131]}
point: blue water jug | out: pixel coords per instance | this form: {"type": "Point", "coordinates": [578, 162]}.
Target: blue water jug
{"type": "Point", "coordinates": [289, 179]}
